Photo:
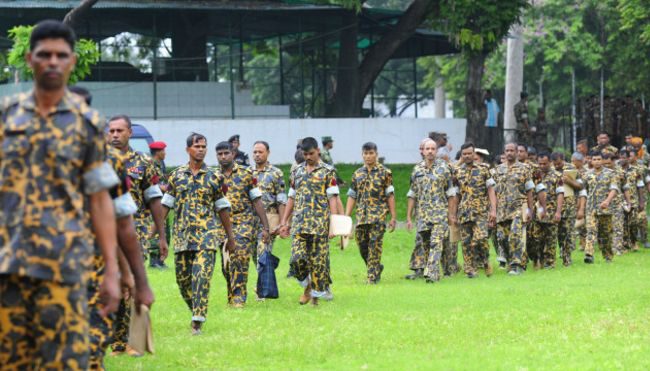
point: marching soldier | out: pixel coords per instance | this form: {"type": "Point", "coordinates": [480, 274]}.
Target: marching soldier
{"type": "Point", "coordinates": [524, 130]}
{"type": "Point", "coordinates": [547, 239]}
{"type": "Point", "coordinates": [620, 203]}
{"type": "Point", "coordinates": [240, 157]}
{"type": "Point", "coordinates": [246, 201]}
{"type": "Point", "coordinates": [514, 208]}
{"type": "Point", "coordinates": [158, 159]}
{"type": "Point", "coordinates": [604, 145]}
{"type": "Point", "coordinates": [372, 192]}
{"type": "Point", "coordinates": [417, 261]}
{"type": "Point", "coordinates": [197, 196]}
{"type": "Point", "coordinates": [572, 178]}
{"type": "Point", "coordinates": [476, 210]}
{"type": "Point", "coordinates": [433, 191]}
{"type": "Point", "coordinates": [636, 188]}
{"type": "Point", "coordinates": [313, 198]}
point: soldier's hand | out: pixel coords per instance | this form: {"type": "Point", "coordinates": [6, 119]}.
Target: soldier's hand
{"type": "Point", "coordinates": [391, 225]}
{"type": "Point", "coordinates": [580, 215]}
{"type": "Point", "coordinates": [143, 296]}
{"type": "Point", "coordinates": [453, 219]}
{"type": "Point", "coordinates": [284, 231]}
{"type": "Point", "coordinates": [266, 236]}
{"type": "Point", "coordinates": [109, 292]}
{"type": "Point", "coordinates": [164, 249]}
{"type": "Point", "coordinates": [230, 244]}
{"type": "Point", "coordinates": [409, 225]}
{"type": "Point", "coordinates": [558, 216]}
{"type": "Point", "coordinates": [604, 205]}
{"type": "Point", "coordinates": [492, 218]}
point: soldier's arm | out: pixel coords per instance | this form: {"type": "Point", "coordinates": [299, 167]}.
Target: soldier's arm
{"type": "Point", "coordinates": [281, 196]}
{"type": "Point", "coordinates": [352, 197]}
{"type": "Point", "coordinates": [390, 193]}
{"type": "Point", "coordinates": [152, 198]}
{"type": "Point", "coordinates": [222, 206]}
{"type": "Point", "coordinates": [130, 246]}
{"type": "Point", "coordinates": [492, 196]}
{"type": "Point", "coordinates": [103, 221]}
{"type": "Point", "coordinates": [255, 195]}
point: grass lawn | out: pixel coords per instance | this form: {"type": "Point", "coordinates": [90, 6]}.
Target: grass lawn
{"type": "Point", "coordinates": [582, 317]}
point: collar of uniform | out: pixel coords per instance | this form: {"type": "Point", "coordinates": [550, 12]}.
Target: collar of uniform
{"type": "Point", "coordinates": [267, 167]}
{"type": "Point", "coordinates": [377, 167]}
{"type": "Point", "coordinates": [203, 168]}
{"type": "Point", "coordinates": [235, 168]}
{"type": "Point", "coordinates": [67, 103]}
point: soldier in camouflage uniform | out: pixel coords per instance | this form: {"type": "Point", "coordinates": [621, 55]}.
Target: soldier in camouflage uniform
{"type": "Point", "coordinates": [603, 145]}
{"type": "Point", "coordinates": [514, 192]}
{"type": "Point", "coordinates": [601, 185]}
{"type": "Point", "coordinates": [524, 134]}
{"type": "Point", "coordinates": [578, 160]}
{"type": "Point", "coordinates": [270, 181]}
{"type": "Point", "coordinates": [133, 275]}
{"type": "Point", "coordinates": [566, 226]}
{"type": "Point", "coordinates": [158, 159]}
{"type": "Point", "coordinates": [197, 196]}
{"type": "Point", "coordinates": [417, 261]}
{"type": "Point", "coordinates": [547, 239]}
{"type": "Point", "coordinates": [373, 194]}
{"type": "Point", "coordinates": [246, 201]}
{"type": "Point", "coordinates": [636, 188]}
{"type": "Point", "coordinates": [433, 191]}
{"type": "Point", "coordinates": [147, 195]}
{"type": "Point", "coordinates": [240, 157]}
{"type": "Point", "coordinates": [312, 199]}
{"type": "Point", "coordinates": [620, 203]}
{"type": "Point", "coordinates": [526, 155]}
{"type": "Point", "coordinates": [476, 194]}
{"type": "Point", "coordinates": [54, 184]}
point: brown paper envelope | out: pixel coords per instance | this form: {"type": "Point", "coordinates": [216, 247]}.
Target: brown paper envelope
{"type": "Point", "coordinates": [140, 332]}
{"type": "Point", "coordinates": [274, 221]}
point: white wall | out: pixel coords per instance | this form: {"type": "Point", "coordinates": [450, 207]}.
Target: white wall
{"type": "Point", "coordinates": [397, 139]}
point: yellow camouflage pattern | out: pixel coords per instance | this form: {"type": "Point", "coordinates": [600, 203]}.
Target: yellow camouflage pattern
{"type": "Point", "coordinates": [513, 182]}
{"type": "Point", "coordinates": [430, 188]}
{"type": "Point", "coordinates": [311, 211]}
{"type": "Point", "coordinates": [370, 188]}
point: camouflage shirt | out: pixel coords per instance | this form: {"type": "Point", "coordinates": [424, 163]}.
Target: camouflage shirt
{"type": "Point", "coordinates": [47, 167]}
{"type": "Point", "coordinates": [473, 182]}
{"type": "Point", "coordinates": [144, 183]}
{"type": "Point", "coordinates": [370, 188]}
{"type": "Point", "coordinates": [431, 188]}
{"type": "Point", "coordinates": [634, 183]}
{"type": "Point", "coordinates": [195, 200]}
{"type": "Point", "coordinates": [570, 202]}
{"type": "Point", "coordinates": [326, 157]}
{"type": "Point", "coordinates": [513, 182]}
{"type": "Point", "coordinates": [552, 182]}
{"type": "Point", "coordinates": [311, 192]}
{"type": "Point", "coordinates": [618, 200]}
{"type": "Point", "coordinates": [598, 185]}
{"type": "Point", "coordinates": [521, 114]}
{"type": "Point", "coordinates": [270, 181]}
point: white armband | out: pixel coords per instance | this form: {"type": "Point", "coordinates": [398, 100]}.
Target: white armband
{"type": "Point", "coordinates": [529, 185]}
{"type": "Point", "coordinates": [490, 183]}
{"type": "Point", "coordinates": [352, 193]}
{"type": "Point", "coordinates": [222, 203]}
{"type": "Point", "coordinates": [100, 178]}
{"type": "Point", "coordinates": [124, 206]}
{"type": "Point", "coordinates": [168, 200]}
{"type": "Point", "coordinates": [152, 192]}
{"type": "Point", "coordinates": [332, 191]}
{"type": "Point", "coordinates": [254, 193]}
{"type": "Point", "coordinates": [540, 187]}
{"type": "Point", "coordinates": [389, 190]}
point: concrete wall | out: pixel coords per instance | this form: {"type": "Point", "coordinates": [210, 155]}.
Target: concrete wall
{"type": "Point", "coordinates": [397, 139]}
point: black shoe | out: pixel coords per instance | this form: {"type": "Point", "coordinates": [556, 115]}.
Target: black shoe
{"type": "Point", "coordinates": [418, 273]}
{"type": "Point", "coordinates": [589, 259]}
{"type": "Point", "coordinates": [153, 262]}
{"type": "Point", "coordinates": [608, 260]}
{"type": "Point", "coordinates": [472, 275]}
{"type": "Point", "coordinates": [502, 265]}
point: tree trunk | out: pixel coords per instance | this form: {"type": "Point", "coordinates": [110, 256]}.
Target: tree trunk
{"type": "Point", "coordinates": [346, 101]}
{"type": "Point", "coordinates": [76, 14]}
{"type": "Point", "coordinates": [475, 109]}
{"type": "Point", "coordinates": [355, 83]}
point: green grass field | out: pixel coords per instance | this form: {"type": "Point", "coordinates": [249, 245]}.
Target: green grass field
{"type": "Point", "coordinates": [582, 317]}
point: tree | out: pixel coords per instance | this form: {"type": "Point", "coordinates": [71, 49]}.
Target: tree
{"type": "Point", "coordinates": [477, 27]}
{"type": "Point", "coordinates": [354, 77]}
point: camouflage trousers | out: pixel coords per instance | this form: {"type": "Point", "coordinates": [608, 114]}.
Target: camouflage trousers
{"type": "Point", "coordinates": [370, 238]}
{"type": "Point", "coordinates": [143, 230]}
{"type": "Point", "coordinates": [498, 247]}
{"type": "Point", "coordinates": [193, 275]}
{"type": "Point", "coordinates": [43, 324]}
{"type": "Point", "coordinates": [534, 245]}
{"type": "Point", "coordinates": [643, 227]}
{"type": "Point", "coordinates": [310, 255]}
{"type": "Point", "coordinates": [237, 274]}
{"type": "Point", "coordinates": [618, 228]}
{"type": "Point", "coordinates": [449, 259]}
{"type": "Point", "coordinates": [433, 241]}
{"type": "Point", "coordinates": [633, 225]}
{"type": "Point", "coordinates": [475, 247]}
{"type": "Point", "coordinates": [566, 234]}
{"type": "Point", "coordinates": [545, 243]}
{"type": "Point", "coordinates": [511, 234]}
{"type": "Point", "coordinates": [599, 227]}
{"type": "Point", "coordinates": [121, 325]}
{"type": "Point", "coordinates": [581, 233]}
{"type": "Point", "coordinates": [100, 327]}
{"type": "Point", "coordinates": [418, 257]}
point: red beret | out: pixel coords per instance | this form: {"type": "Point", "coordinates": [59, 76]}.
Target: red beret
{"type": "Point", "coordinates": [157, 145]}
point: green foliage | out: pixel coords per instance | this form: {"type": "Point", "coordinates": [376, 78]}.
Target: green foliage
{"type": "Point", "coordinates": [635, 16]}
{"type": "Point", "coordinates": [585, 317]}
{"type": "Point", "coordinates": [86, 50]}
{"type": "Point", "coordinates": [477, 26]}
